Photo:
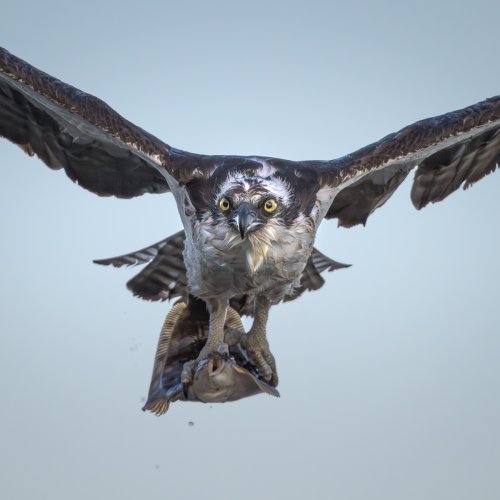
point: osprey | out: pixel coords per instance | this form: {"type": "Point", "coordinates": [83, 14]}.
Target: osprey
{"type": "Point", "coordinates": [249, 221]}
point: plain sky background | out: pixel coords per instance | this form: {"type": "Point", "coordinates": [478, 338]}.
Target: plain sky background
{"type": "Point", "coordinates": [389, 375]}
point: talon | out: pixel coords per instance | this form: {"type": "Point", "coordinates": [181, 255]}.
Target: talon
{"type": "Point", "coordinates": [188, 370]}
{"type": "Point", "coordinates": [261, 356]}
{"type": "Point", "coordinates": [222, 349]}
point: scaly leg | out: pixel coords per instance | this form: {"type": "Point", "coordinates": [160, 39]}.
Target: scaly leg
{"type": "Point", "coordinates": [217, 310]}
{"type": "Point", "coordinates": [257, 345]}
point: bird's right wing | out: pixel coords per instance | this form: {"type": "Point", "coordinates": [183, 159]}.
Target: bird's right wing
{"type": "Point", "coordinates": [165, 275]}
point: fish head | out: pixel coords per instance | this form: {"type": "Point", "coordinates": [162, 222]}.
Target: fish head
{"type": "Point", "coordinates": [219, 378]}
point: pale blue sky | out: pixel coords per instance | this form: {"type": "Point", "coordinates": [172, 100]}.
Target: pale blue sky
{"type": "Point", "coordinates": [389, 375]}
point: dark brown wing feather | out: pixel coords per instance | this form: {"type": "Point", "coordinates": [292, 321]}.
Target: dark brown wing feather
{"type": "Point", "coordinates": [311, 276]}
{"type": "Point", "coordinates": [69, 129]}
{"type": "Point", "coordinates": [450, 150]}
{"type": "Point", "coordinates": [142, 256]}
{"type": "Point", "coordinates": [164, 278]}
{"type": "Point", "coordinates": [463, 164]}
{"type": "Point", "coordinates": [108, 155]}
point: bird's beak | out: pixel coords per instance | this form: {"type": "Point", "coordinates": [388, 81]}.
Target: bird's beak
{"type": "Point", "coordinates": [244, 218]}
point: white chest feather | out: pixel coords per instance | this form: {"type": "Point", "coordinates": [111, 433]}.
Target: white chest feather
{"type": "Point", "coordinates": [271, 258]}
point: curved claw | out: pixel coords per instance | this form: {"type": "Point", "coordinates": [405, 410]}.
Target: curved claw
{"type": "Point", "coordinates": [188, 371]}
{"type": "Point", "coordinates": [261, 356]}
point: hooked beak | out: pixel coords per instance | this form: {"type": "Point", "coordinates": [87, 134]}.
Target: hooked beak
{"type": "Point", "coordinates": [244, 218]}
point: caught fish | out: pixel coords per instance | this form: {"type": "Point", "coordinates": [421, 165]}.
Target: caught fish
{"type": "Point", "coordinates": [226, 375]}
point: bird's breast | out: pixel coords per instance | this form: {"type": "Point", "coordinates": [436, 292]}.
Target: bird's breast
{"type": "Point", "coordinates": [220, 264]}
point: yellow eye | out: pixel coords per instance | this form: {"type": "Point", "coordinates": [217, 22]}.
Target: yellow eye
{"type": "Point", "coordinates": [270, 206]}
{"type": "Point", "coordinates": [224, 204]}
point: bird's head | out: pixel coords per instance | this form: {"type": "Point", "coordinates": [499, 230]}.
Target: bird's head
{"type": "Point", "coordinates": [251, 205]}
{"type": "Point", "coordinates": [256, 210]}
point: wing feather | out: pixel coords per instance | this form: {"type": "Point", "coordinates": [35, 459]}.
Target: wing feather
{"type": "Point", "coordinates": [451, 150]}
{"type": "Point", "coordinates": [142, 256]}
{"type": "Point", "coordinates": [75, 131]}
{"type": "Point", "coordinates": [102, 151]}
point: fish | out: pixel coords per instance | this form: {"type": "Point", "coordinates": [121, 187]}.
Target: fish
{"type": "Point", "coordinates": [226, 375]}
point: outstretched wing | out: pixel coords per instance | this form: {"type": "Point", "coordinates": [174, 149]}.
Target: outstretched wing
{"type": "Point", "coordinates": [108, 155]}
{"type": "Point", "coordinates": [450, 150]}
{"type": "Point", "coordinates": [71, 130]}
{"type": "Point", "coordinates": [164, 277]}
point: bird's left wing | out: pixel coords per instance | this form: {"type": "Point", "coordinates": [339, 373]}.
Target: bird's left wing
{"type": "Point", "coordinates": [72, 130]}
{"type": "Point", "coordinates": [450, 150]}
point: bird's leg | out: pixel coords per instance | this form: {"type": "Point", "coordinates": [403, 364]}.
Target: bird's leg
{"type": "Point", "coordinates": [217, 310]}
{"type": "Point", "coordinates": [256, 343]}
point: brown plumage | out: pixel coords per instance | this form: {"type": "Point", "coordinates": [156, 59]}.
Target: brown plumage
{"type": "Point", "coordinates": [112, 156]}
{"type": "Point", "coordinates": [108, 155]}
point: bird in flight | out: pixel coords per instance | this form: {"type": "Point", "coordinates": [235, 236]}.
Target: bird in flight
{"type": "Point", "coordinates": [249, 221]}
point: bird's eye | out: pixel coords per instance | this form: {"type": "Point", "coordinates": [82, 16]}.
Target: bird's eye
{"type": "Point", "coordinates": [270, 206]}
{"type": "Point", "coordinates": [224, 204]}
